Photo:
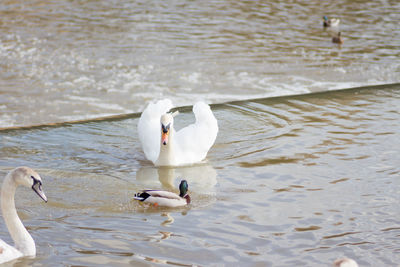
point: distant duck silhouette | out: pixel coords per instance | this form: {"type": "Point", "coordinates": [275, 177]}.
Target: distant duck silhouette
{"type": "Point", "coordinates": [333, 22]}
{"type": "Point", "coordinates": [345, 262]}
{"type": "Point", "coordinates": [337, 39]}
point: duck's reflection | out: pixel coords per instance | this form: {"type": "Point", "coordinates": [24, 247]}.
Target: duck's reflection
{"type": "Point", "coordinates": [201, 178]}
{"type": "Point", "coordinates": [168, 221]}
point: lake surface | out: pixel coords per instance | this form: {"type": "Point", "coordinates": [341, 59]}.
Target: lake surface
{"type": "Point", "coordinates": [70, 60]}
{"type": "Point", "coordinates": [291, 181]}
{"type": "Point", "coordinates": [300, 174]}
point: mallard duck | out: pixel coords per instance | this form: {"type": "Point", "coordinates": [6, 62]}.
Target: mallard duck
{"type": "Point", "coordinates": [165, 198]}
{"type": "Point", "coordinates": [337, 39]}
{"type": "Point", "coordinates": [166, 147]}
{"type": "Point", "coordinates": [24, 245]}
{"type": "Point", "coordinates": [333, 22]}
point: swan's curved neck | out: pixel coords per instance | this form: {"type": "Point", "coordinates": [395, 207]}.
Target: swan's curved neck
{"type": "Point", "coordinates": [22, 239]}
{"type": "Point", "coordinates": [167, 152]}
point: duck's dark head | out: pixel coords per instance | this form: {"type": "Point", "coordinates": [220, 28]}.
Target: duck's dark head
{"type": "Point", "coordinates": [183, 188]}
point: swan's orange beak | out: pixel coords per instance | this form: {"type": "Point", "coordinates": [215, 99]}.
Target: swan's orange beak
{"type": "Point", "coordinates": [164, 138]}
{"type": "Point", "coordinates": [165, 133]}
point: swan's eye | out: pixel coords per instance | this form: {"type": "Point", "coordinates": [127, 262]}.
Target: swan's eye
{"type": "Point", "coordinates": [165, 129]}
{"type": "Point", "coordinates": [36, 181]}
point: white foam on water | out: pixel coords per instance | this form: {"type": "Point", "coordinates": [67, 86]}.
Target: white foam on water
{"type": "Point", "coordinates": [83, 80]}
{"type": "Point", "coordinates": [194, 77]}
{"type": "Point", "coordinates": [71, 118]}
{"type": "Point", "coordinates": [85, 99]}
{"type": "Point", "coordinates": [110, 106]}
{"type": "Point", "coordinates": [6, 120]}
{"type": "Point", "coordinates": [117, 76]}
{"type": "Point", "coordinates": [100, 103]}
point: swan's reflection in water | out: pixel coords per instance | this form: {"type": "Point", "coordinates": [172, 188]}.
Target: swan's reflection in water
{"type": "Point", "coordinates": [201, 178]}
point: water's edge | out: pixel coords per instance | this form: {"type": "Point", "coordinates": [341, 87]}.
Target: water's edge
{"type": "Point", "coordinates": [188, 108]}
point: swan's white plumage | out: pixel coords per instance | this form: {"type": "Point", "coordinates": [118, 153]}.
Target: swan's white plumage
{"type": "Point", "coordinates": [149, 127]}
{"type": "Point", "coordinates": [24, 243]}
{"type": "Point", "coordinates": [8, 253]}
{"type": "Point", "coordinates": [345, 262]}
{"type": "Point", "coordinates": [188, 145]}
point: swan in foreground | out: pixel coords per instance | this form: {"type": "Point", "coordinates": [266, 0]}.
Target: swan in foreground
{"type": "Point", "coordinates": [345, 262]}
{"type": "Point", "coordinates": [166, 147]}
{"type": "Point", "coordinates": [24, 244]}
{"type": "Point", "coordinates": [165, 198]}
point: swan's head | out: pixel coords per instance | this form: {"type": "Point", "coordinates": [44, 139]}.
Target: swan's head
{"type": "Point", "coordinates": [167, 120]}
{"type": "Point", "coordinates": [183, 188]}
{"type": "Point", "coordinates": [27, 177]}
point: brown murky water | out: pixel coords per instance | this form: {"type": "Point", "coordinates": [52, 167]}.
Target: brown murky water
{"type": "Point", "coordinates": [291, 181]}
{"type": "Point", "coordinates": [69, 60]}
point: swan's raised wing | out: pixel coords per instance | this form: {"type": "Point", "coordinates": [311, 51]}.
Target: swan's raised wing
{"type": "Point", "coordinates": [194, 141]}
{"type": "Point", "coordinates": [149, 128]}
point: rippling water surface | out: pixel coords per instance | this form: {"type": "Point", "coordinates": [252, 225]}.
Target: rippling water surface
{"type": "Point", "coordinates": [71, 60]}
{"type": "Point", "coordinates": [291, 181]}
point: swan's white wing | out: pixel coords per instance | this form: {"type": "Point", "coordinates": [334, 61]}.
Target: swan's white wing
{"type": "Point", "coordinates": [149, 128]}
{"type": "Point", "coordinates": [194, 141]}
{"type": "Point", "coordinates": [8, 253]}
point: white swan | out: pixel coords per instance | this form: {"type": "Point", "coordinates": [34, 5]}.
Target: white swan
{"type": "Point", "coordinates": [345, 262]}
{"type": "Point", "coordinates": [24, 244]}
{"type": "Point", "coordinates": [166, 147]}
